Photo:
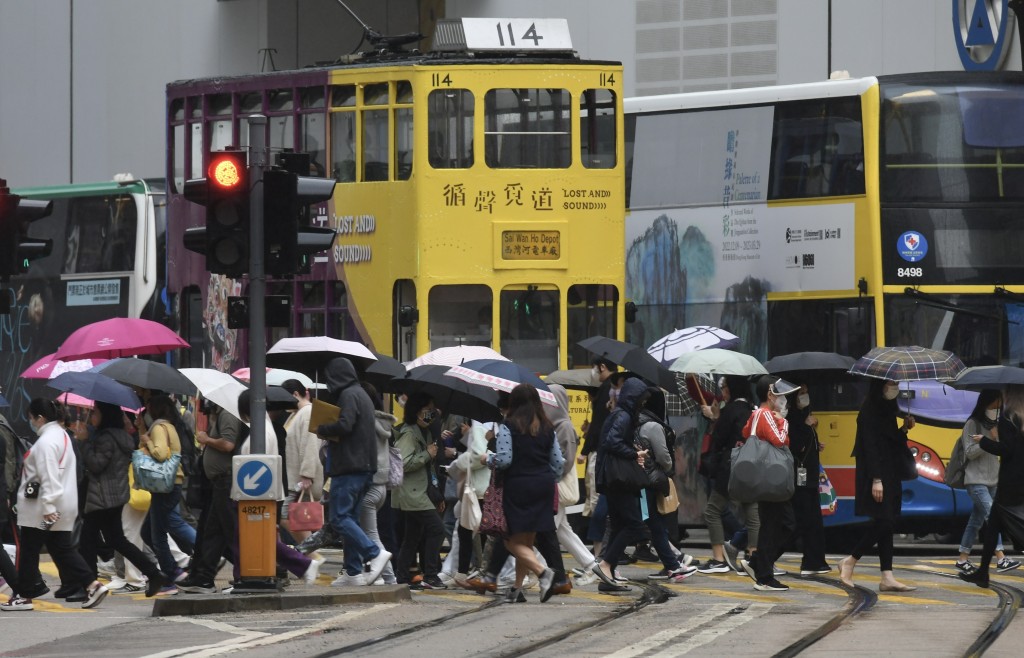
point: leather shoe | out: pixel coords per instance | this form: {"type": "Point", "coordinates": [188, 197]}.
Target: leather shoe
{"type": "Point", "coordinates": [77, 596]}
{"type": "Point", "coordinates": [607, 589]}
{"type": "Point", "coordinates": [977, 577]}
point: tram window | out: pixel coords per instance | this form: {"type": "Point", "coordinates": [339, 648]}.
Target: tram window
{"type": "Point", "coordinates": [403, 92]}
{"type": "Point", "coordinates": [375, 94]}
{"type": "Point", "coordinates": [460, 315]}
{"type": "Point", "coordinates": [343, 146]}
{"type": "Point", "coordinates": [375, 145]}
{"type": "Point", "coordinates": [311, 98]}
{"type": "Point", "coordinates": [220, 134]}
{"type": "Point", "coordinates": [343, 96]}
{"type": "Point", "coordinates": [527, 129]}
{"type": "Point", "coordinates": [529, 327]}
{"type": "Point", "coordinates": [177, 111]}
{"type": "Point", "coordinates": [403, 143]}
{"type": "Point", "coordinates": [450, 128]}
{"type": "Point", "coordinates": [314, 142]}
{"type": "Point", "coordinates": [179, 157]}
{"type": "Point", "coordinates": [282, 136]}
{"type": "Point", "coordinates": [218, 105]}
{"type": "Point", "coordinates": [198, 150]}
{"type": "Point", "coordinates": [195, 104]}
{"type": "Point", "coordinates": [280, 100]}
{"type": "Point", "coordinates": [597, 129]}
{"type": "Point", "coordinates": [817, 149]}
{"type": "Point", "coordinates": [100, 235]}
{"type": "Point", "coordinates": [591, 310]}
{"type": "Point", "coordinates": [250, 103]}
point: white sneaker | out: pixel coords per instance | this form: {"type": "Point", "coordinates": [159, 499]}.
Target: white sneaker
{"type": "Point", "coordinates": [686, 559]}
{"type": "Point", "coordinates": [345, 580]}
{"type": "Point", "coordinates": [376, 566]}
{"type": "Point", "coordinates": [529, 581]}
{"type": "Point", "coordinates": [313, 572]}
{"type": "Point", "coordinates": [586, 579]}
{"type": "Point", "coordinates": [447, 578]}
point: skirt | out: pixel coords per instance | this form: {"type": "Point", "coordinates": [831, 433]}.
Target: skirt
{"type": "Point", "coordinates": [529, 504]}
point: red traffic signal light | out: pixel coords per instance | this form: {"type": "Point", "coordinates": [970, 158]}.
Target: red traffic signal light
{"type": "Point", "coordinates": [224, 240]}
{"type": "Point", "coordinates": [227, 170]}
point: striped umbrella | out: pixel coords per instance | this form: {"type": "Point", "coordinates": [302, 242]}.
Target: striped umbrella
{"type": "Point", "coordinates": [501, 376]}
{"type": "Point", "coordinates": [908, 364]}
{"type": "Point", "coordinates": [701, 337]}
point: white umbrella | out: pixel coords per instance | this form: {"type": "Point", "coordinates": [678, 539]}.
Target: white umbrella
{"type": "Point", "coordinates": [454, 356]}
{"type": "Point", "coordinates": [718, 362]}
{"type": "Point", "coordinates": [278, 376]}
{"type": "Point", "coordinates": [669, 348]}
{"type": "Point", "coordinates": [218, 387]}
{"type": "Point", "coordinates": [311, 354]}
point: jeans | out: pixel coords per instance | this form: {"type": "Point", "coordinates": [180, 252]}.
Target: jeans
{"type": "Point", "coordinates": [659, 533]}
{"type": "Point", "coordinates": [981, 495]}
{"type": "Point", "coordinates": [164, 519]}
{"type": "Point", "coordinates": [347, 492]}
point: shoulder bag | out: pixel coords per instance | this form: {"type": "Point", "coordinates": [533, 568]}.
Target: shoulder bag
{"type": "Point", "coordinates": [956, 469]}
{"type": "Point", "coordinates": [761, 471]}
{"type": "Point", "coordinates": [154, 476]}
{"type": "Point", "coordinates": [569, 489]}
{"type": "Point", "coordinates": [623, 474]}
{"type": "Point", "coordinates": [305, 515]}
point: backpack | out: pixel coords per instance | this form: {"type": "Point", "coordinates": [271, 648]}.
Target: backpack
{"type": "Point", "coordinates": [956, 469]}
{"type": "Point", "coordinates": [396, 467]}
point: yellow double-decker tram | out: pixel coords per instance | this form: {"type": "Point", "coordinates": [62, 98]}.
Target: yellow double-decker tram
{"type": "Point", "coordinates": [480, 195]}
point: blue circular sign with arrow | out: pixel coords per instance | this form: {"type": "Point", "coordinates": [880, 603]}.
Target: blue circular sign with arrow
{"type": "Point", "coordinates": [254, 478]}
{"type": "Point", "coordinates": [981, 29]}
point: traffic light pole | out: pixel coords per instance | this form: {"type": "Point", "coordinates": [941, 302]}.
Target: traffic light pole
{"type": "Point", "coordinates": [258, 159]}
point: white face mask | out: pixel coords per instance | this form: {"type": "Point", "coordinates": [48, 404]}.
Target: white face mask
{"type": "Point", "coordinates": [890, 392]}
{"type": "Point", "coordinates": [594, 372]}
{"type": "Point", "coordinates": [781, 406]}
{"type": "Point", "coordinates": [803, 400]}
{"type": "Point", "coordinates": [39, 427]}
{"type": "Point", "coordinates": [992, 414]}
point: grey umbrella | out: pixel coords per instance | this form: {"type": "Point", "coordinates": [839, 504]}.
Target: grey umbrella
{"type": "Point", "coordinates": [824, 364]}
{"type": "Point", "coordinates": [982, 377]}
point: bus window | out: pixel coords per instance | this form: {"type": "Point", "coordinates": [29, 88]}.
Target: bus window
{"type": "Point", "coordinates": [817, 149]}
{"type": "Point", "coordinates": [343, 146]}
{"type": "Point", "coordinates": [597, 129]}
{"type": "Point", "coordinates": [375, 145]}
{"type": "Point", "coordinates": [403, 143]}
{"type": "Point", "coordinates": [821, 325]}
{"type": "Point", "coordinates": [591, 311]}
{"type": "Point", "coordinates": [981, 330]}
{"type": "Point", "coordinates": [527, 129]}
{"type": "Point", "coordinates": [460, 315]}
{"type": "Point", "coordinates": [529, 326]}
{"type": "Point", "coordinates": [450, 128]}
{"type": "Point", "coordinates": [100, 235]}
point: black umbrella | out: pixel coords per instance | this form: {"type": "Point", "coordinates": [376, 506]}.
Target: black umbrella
{"type": "Point", "coordinates": [451, 395]}
{"type": "Point", "coordinates": [383, 370]}
{"type": "Point", "coordinates": [828, 365]}
{"type": "Point", "coordinates": [279, 398]}
{"type": "Point", "coordinates": [982, 377]}
{"type": "Point", "coordinates": [633, 358]}
{"type": "Point", "coordinates": [143, 373]}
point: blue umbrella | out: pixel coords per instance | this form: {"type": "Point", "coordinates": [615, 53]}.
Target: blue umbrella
{"type": "Point", "coordinates": [501, 375]}
{"type": "Point", "coordinates": [96, 386]}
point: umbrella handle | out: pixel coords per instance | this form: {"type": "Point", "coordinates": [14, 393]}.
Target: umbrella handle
{"type": "Point", "coordinates": [700, 393]}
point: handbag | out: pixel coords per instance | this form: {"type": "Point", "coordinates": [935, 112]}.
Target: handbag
{"type": "Point", "coordinates": [492, 512]}
{"type": "Point", "coordinates": [396, 468]}
{"type": "Point", "coordinates": [308, 515]}
{"type": "Point", "coordinates": [657, 478]}
{"type": "Point", "coordinates": [469, 510]}
{"type": "Point", "coordinates": [154, 476]}
{"type": "Point", "coordinates": [623, 475]}
{"type": "Point", "coordinates": [669, 503]}
{"type": "Point", "coordinates": [907, 465]}
{"type": "Point", "coordinates": [761, 471]}
{"type": "Point", "coordinates": [569, 489]}
{"type": "Point", "coordinates": [827, 497]}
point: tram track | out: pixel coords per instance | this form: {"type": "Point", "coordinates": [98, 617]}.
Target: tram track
{"type": "Point", "coordinates": [651, 594]}
{"type": "Point", "coordinates": [860, 599]}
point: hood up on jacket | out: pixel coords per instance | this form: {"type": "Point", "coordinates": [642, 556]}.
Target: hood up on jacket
{"type": "Point", "coordinates": [631, 390]}
{"type": "Point", "coordinates": [561, 412]}
{"type": "Point", "coordinates": [340, 375]}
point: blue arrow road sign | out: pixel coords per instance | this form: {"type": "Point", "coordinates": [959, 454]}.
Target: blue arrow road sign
{"type": "Point", "coordinates": [254, 478]}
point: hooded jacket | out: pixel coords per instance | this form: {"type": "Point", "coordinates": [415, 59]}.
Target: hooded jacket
{"type": "Point", "coordinates": [565, 433]}
{"type": "Point", "coordinates": [383, 424]}
{"type": "Point", "coordinates": [352, 439]}
{"type": "Point", "coordinates": [617, 432]}
{"type": "Point", "coordinates": [107, 455]}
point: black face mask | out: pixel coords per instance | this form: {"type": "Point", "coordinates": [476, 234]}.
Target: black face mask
{"type": "Point", "coordinates": [430, 416]}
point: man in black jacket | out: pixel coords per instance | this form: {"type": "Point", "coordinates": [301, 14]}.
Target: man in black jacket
{"type": "Point", "coordinates": [351, 463]}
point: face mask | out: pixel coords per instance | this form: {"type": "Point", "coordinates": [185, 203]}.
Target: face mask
{"type": "Point", "coordinates": [594, 372]}
{"type": "Point", "coordinates": [890, 392]}
{"type": "Point", "coordinates": [146, 418]}
{"type": "Point", "coordinates": [429, 416]}
{"type": "Point", "coordinates": [37, 428]}
{"type": "Point", "coordinates": [781, 406]}
{"type": "Point", "coordinates": [992, 414]}
{"type": "Point", "coordinates": [803, 400]}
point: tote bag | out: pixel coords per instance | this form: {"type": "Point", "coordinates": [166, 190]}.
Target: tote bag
{"type": "Point", "coordinates": [826, 493]}
{"type": "Point", "coordinates": [492, 512]}
{"type": "Point", "coordinates": [305, 515]}
{"type": "Point", "coordinates": [154, 476]}
{"type": "Point", "coordinates": [761, 471]}
{"type": "Point", "coordinates": [569, 489]}
{"type": "Point", "coordinates": [469, 510]}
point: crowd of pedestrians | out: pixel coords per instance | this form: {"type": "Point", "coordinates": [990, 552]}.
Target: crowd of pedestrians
{"type": "Point", "coordinates": [389, 482]}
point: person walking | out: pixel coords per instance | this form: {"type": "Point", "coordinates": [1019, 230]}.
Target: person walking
{"type": "Point", "coordinates": [981, 474]}
{"type": "Point", "coordinates": [804, 444]}
{"type": "Point", "coordinates": [423, 525]}
{"type": "Point", "coordinates": [107, 456]}
{"type": "Point", "coordinates": [351, 465]}
{"type": "Point", "coordinates": [47, 509]}
{"type": "Point", "coordinates": [1007, 513]}
{"type": "Point", "coordinates": [879, 448]}
{"type": "Point", "coordinates": [305, 473]}
{"type": "Point", "coordinates": [530, 462]}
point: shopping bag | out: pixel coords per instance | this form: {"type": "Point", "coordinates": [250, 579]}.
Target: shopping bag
{"type": "Point", "coordinates": [492, 512]}
{"type": "Point", "coordinates": [305, 515]}
{"type": "Point", "coordinates": [469, 510]}
{"type": "Point", "coordinates": [826, 493]}
{"type": "Point", "coordinates": [670, 503]}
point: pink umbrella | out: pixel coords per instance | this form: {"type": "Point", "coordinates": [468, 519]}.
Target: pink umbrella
{"type": "Point", "coordinates": [118, 337]}
{"type": "Point", "coordinates": [79, 401]}
{"type": "Point", "coordinates": [49, 367]}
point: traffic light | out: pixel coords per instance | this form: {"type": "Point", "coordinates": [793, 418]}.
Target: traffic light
{"type": "Point", "coordinates": [290, 240]}
{"type": "Point", "coordinates": [17, 249]}
{"type": "Point", "coordinates": [311, 240]}
{"type": "Point", "coordinates": [225, 193]}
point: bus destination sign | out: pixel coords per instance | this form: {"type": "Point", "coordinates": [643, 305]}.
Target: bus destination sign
{"type": "Point", "coordinates": [531, 245]}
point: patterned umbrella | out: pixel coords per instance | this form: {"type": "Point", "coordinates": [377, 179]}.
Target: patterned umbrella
{"type": "Point", "coordinates": [49, 367]}
{"type": "Point", "coordinates": [908, 364]}
{"type": "Point", "coordinates": [502, 376]}
{"type": "Point", "coordinates": [454, 356]}
{"type": "Point", "coordinates": [669, 348]}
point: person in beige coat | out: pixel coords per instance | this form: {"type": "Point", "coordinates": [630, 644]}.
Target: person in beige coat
{"type": "Point", "coordinates": [304, 472]}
